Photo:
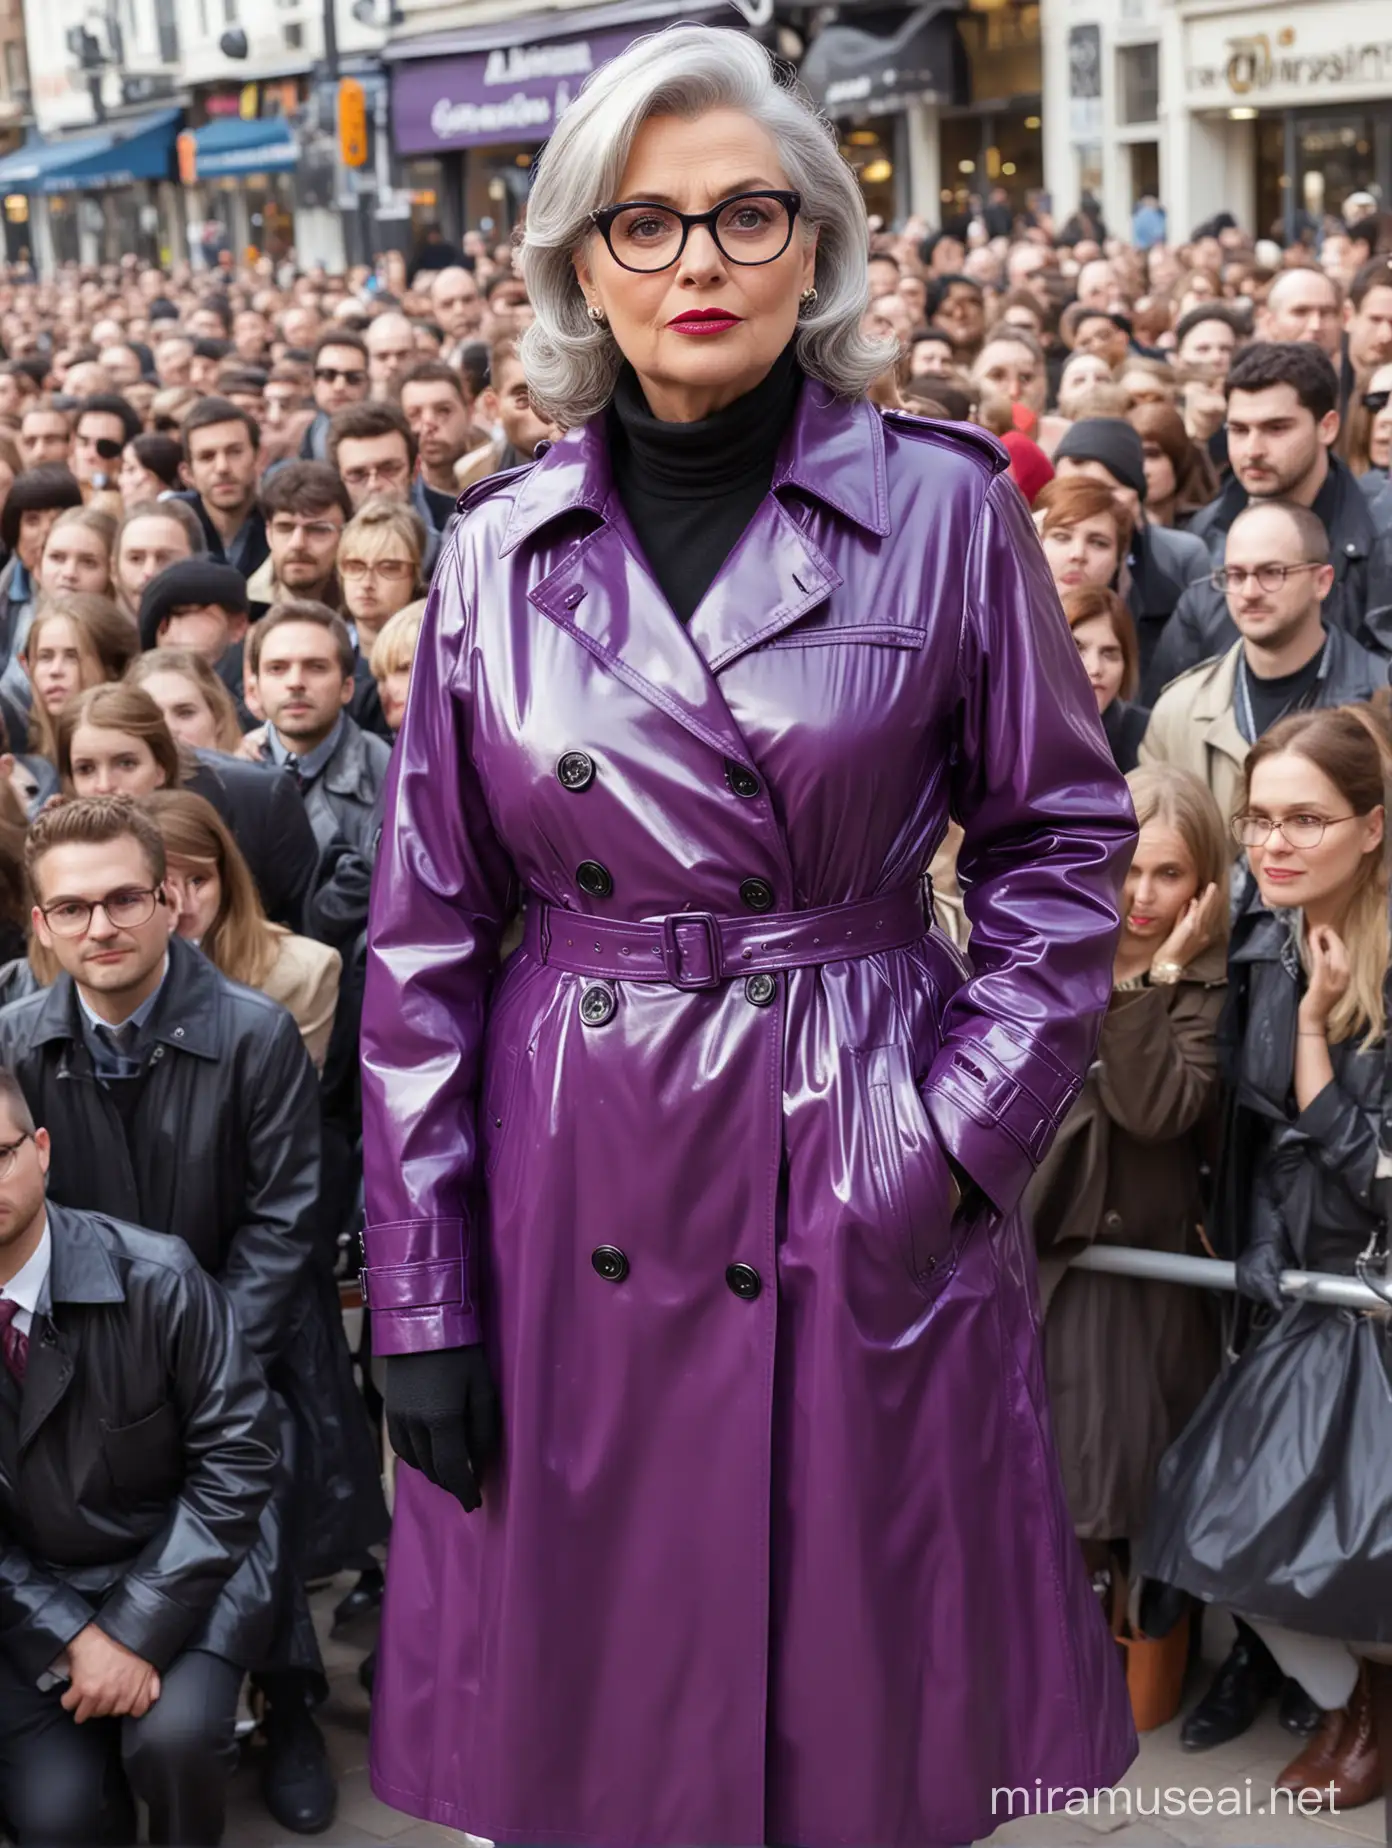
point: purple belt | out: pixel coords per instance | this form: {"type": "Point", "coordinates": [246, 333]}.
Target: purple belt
{"type": "Point", "coordinates": [697, 949]}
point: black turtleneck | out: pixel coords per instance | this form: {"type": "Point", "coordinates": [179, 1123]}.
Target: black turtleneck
{"type": "Point", "coordinates": [690, 489]}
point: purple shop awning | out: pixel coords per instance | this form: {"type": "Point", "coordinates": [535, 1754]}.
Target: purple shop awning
{"type": "Point", "coordinates": [512, 93]}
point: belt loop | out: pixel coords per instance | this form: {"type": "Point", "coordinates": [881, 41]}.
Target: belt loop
{"type": "Point", "coordinates": [543, 929]}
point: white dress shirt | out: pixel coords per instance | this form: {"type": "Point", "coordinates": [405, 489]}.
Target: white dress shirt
{"type": "Point", "coordinates": [27, 1285]}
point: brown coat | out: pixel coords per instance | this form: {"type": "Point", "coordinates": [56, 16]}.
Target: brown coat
{"type": "Point", "coordinates": [1127, 1360]}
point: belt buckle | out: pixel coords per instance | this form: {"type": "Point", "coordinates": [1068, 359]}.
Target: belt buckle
{"type": "Point", "coordinates": [704, 921]}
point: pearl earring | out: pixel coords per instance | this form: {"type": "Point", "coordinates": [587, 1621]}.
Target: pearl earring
{"type": "Point", "coordinates": [596, 314]}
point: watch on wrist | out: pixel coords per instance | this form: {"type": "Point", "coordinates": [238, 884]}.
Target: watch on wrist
{"type": "Point", "coordinates": [1166, 973]}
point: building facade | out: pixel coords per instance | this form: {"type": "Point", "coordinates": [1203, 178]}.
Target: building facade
{"type": "Point", "coordinates": [1273, 113]}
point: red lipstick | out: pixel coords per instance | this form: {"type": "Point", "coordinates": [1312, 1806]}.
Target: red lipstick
{"type": "Point", "coordinates": [704, 321]}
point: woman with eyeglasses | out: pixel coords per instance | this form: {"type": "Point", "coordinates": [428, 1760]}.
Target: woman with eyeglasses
{"type": "Point", "coordinates": [1277, 1499]}
{"type": "Point", "coordinates": [692, 1233]}
{"type": "Point", "coordinates": [379, 566]}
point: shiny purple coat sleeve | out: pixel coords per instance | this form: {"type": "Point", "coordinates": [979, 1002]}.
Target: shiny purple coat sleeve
{"type": "Point", "coordinates": [443, 891]}
{"type": "Point", "coordinates": [1049, 832]}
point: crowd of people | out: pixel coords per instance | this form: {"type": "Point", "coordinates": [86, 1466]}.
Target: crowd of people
{"type": "Point", "coordinates": [222, 498]}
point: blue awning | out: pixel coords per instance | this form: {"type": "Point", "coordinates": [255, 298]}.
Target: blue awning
{"type": "Point", "coordinates": [231, 146]}
{"type": "Point", "coordinates": [118, 154]}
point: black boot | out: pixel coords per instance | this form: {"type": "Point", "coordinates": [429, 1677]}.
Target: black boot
{"type": "Point", "coordinates": [1297, 1712]}
{"type": "Point", "coordinates": [362, 1600]}
{"type": "Point", "coordinates": [1236, 1695]}
{"type": "Point", "coordinates": [297, 1782]}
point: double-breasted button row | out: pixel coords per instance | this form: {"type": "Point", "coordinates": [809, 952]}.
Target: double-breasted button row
{"type": "Point", "coordinates": [761, 990]}
{"type": "Point", "coordinates": [612, 1265]}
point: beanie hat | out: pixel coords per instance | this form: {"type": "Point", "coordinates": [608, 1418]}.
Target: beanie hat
{"type": "Point", "coordinates": [1030, 468]}
{"type": "Point", "coordinates": [1110, 441]}
{"type": "Point", "coordinates": [189, 583]}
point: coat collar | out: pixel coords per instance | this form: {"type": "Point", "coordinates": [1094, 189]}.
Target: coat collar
{"type": "Point", "coordinates": [833, 451]}
{"type": "Point", "coordinates": [185, 1016]}
{"type": "Point", "coordinates": [348, 773]}
{"type": "Point", "coordinates": [81, 1270]}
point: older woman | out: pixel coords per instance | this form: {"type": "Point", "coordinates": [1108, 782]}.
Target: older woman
{"type": "Point", "coordinates": [733, 1255]}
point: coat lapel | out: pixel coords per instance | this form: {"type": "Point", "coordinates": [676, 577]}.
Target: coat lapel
{"type": "Point", "coordinates": [603, 594]}
{"type": "Point", "coordinates": [48, 1378]}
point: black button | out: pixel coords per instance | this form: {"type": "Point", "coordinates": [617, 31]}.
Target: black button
{"type": "Point", "coordinates": [593, 878]}
{"type": "Point", "coordinates": [757, 894]}
{"type": "Point", "coordinates": [610, 1262]}
{"type": "Point", "coordinates": [744, 1280]}
{"type": "Point", "coordinates": [761, 989]}
{"type": "Point", "coordinates": [597, 1006]}
{"type": "Point", "coordinates": [742, 781]}
{"type": "Point", "coordinates": [575, 771]}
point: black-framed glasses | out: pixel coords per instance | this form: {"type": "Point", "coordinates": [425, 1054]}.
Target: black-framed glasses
{"type": "Point", "coordinates": [1268, 577]}
{"type": "Point", "coordinates": [336, 375]}
{"type": "Point", "coordinates": [9, 1155]}
{"type": "Point", "coordinates": [1254, 829]}
{"type": "Point", "coordinates": [126, 909]}
{"type": "Point", "coordinates": [1375, 402]}
{"type": "Point", "coordinates": [749, 228]}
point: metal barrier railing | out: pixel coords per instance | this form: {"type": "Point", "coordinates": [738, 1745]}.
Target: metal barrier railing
{"type": "Point", "coordinates": [1215, 1274]}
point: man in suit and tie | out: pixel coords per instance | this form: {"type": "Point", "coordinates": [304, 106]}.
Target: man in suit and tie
{"type": "Point", "coordinates": [138, 1451]}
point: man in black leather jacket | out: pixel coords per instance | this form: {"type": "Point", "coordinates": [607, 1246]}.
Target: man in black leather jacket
{"type": "Point", "coordinates": [138, 1451]}
{"type": "Point", "coordinates": [1283, 419]}
{"type": "Point", "coordinates": [182, 1101]}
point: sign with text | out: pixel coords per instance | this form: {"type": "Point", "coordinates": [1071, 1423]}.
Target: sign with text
{"type": "Point", "coordinates": [1337, 52]}
{"type": "Point", "coordinates": [515, 93]}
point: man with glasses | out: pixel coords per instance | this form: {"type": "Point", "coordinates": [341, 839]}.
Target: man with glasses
{"type": "Point", "coordinates": [340, 379]}
{"type": "Point", "coordinates": [374, 450]}
{"type": "Point", "coordinates": [1282, 423]}
{"type": "Point", "coordinates": [179, 1100]}
{"type": "Point", "coordinates": [1287, 658]}
{"type": "Point", "coordinates": [138, 1563]}
{"type": "Point", "coordinates": [305, 506]}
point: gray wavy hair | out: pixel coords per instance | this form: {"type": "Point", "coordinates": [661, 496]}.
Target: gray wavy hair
{"type": "Point", "coordinates": [571, 364]}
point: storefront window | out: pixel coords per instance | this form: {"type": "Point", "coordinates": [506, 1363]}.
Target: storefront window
{"type": "Point", "coordinates": [423, 181]}
{"type": "Point", "coordinates": [1335, 155]}
{"type": "Point", "coordinates": [495, 188]}
{"type": "Point", "coordinates": [869, 147]}
{"type": "Point", "coordinates": [62, 220]}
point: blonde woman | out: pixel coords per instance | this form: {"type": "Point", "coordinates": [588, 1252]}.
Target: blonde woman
{"type": "Point", "coordinates": [1277, 1499]}
{"type": "Point", "coordinates": [392, 655]}
{"type": "Point", "coordinates": [76, 641]}
{"type": "Point", "coordinates": [196, 704]}
{"type": "Point", "coordinates": [379, 566]}
{"type": "Point", "coordinates": [217, 907]}
{"type": "Point", "coordinates": [78, 552]}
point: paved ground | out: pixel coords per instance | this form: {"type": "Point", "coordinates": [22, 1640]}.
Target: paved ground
{"type": "Point", "coordinates": [1162, 1769]}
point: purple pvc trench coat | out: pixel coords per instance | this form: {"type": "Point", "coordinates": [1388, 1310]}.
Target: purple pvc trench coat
{"type": "Point", "coordinates": [795, 1569]}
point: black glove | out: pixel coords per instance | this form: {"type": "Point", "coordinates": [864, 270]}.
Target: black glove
{"type": "Point", "coordinates": [442, 1417]}
{"type": "Point", "coordinates": [1259, 1274]}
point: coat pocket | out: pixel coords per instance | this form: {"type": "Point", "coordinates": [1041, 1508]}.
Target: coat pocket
{"type": "Point", "coordinates": [145, 1459]}
{"type": "Point", "coordinates": [911, 1172]}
